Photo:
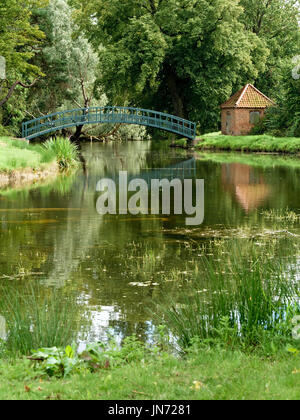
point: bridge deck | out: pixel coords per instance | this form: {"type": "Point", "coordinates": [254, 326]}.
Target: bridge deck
{"type": "Point", "coordinates": [108, 115]}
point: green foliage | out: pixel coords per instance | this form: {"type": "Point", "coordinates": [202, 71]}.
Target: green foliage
{"type": "Point", "coordinates": [57, 362]}
{"type": "Point", "coordinates": [63, 362]}
{"type": "Point", "coordinates": [284, 119]}
{"type": "Point", "coordinates": [250, 143]}
{"type": "Point", "coordinates": [185, 57]}
{"type": "Point", "coordinates": [37, 319]}
{"type": "Point", "coordinates": [20, 40]}
{"type": "Point", "coordinates": [244, 301]}
{"type": "Point", "coordinates": [17, 154]}
{"type": "Point", "coordinates": [276, 23]}
{"type": "Point", "coordinates": [18, 37]}
{"type": "Point", "coordinates": [68, 61]}
{"type": "Point", "coordinates": [66, 152]}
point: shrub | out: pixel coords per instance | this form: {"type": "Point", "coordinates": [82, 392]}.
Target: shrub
{"type": "Point", "coordinates": [65, 151]}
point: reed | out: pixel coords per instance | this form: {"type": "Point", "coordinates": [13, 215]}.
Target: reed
{"type": "Point", "coordinates": [36, 318]}
{"type": "Point", "coordinates": [237, 298]}
{"type": "Point", "coordinates": [66, 152]}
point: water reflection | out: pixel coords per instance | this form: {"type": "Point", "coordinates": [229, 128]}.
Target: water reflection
{"type": "Point", "coordinates": [246, 184]}
{"type": "Point", "coordinates": [119, 266]}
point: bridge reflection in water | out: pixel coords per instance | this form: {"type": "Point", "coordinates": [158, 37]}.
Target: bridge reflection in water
{"type": "Point", "coordinates": [182, 170]}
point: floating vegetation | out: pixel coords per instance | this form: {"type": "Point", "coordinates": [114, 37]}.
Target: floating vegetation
{"type": "Point", "coordinates": [281, 215]}
{"type": "Point", "coordinates": [227, 233]}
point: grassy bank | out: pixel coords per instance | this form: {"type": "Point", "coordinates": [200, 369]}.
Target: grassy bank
{"type": "Point", "coordinates": [259, 160]}
{"type": "Point", "coordinates": [22, 163]}
{"type": "Point", "coordinates": [18, 154]}
{"type": "Point", "coordinates": [207, 374]}
{"type": "Point", "coordinates": [257, 143]}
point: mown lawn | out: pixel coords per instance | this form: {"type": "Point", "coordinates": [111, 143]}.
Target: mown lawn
{"type": "Point", "coordinates": [17, 154]}
{"type": "Point", "coordinates": [212, 374]}
{"type": "Point", "coordinates": [257, 143]}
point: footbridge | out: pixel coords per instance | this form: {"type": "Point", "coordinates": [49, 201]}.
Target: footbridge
{"type": "Point", "coordinates": [108, 115]}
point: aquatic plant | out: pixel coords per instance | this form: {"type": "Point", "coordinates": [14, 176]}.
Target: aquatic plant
{"type": "Point", "coordinates": [65, 151]}
{"type": "Point", "coordinates": [281, 215]}
{"type": "Point", "coordinates": [36, 318]}
{"type": "Point", "coordinates": [236, 297]}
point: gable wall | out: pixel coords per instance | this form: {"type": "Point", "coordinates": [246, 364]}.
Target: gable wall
{"type": "Point", "coordinates": [239, 120]}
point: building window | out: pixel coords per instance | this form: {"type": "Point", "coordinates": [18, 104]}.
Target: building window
{"type": "Point", "coordinates": [254, 117]}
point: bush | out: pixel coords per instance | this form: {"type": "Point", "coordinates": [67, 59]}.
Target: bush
{"type": "Point", "coordinates": [65, 151]}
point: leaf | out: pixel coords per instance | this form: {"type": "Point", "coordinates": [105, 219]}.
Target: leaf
{"type": "Point", "coordinates": [70, 352]}
{"type": "Point", "coordinates": [293, 350]}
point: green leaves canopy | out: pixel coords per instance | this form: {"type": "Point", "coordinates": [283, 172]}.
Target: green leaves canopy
{"type": "Point", "coordinates": [19, 38]}
{"type": "Point", "coordinates": [181, 56]}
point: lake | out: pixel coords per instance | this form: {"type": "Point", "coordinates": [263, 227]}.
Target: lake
{"type": "Point", "coordinates": [120, 267]}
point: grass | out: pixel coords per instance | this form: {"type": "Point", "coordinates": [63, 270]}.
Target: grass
{"type": "Point", "coordinates": [250, 143]}
{"type": "Point", "coordinates": [245, 300]}
{"type": "Point", "coordinates": [36, 318]}
{"type": "Point", "coordinates": [254, 160]}
{"type": "Point", "coordinates": [258, 143]}
{"type": "Point", "coordinates": [66, 152]}
{"type": "Point", "coordinates": [208, 374]}
{"type": "Point", "coordinates": [18, 155]}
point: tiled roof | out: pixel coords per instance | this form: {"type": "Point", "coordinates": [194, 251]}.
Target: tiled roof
{"type": "Point", "coordinates": [248, 97]}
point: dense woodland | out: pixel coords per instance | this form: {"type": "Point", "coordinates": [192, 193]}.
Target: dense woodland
{"type": "Point", "coordinates": [179, 56]}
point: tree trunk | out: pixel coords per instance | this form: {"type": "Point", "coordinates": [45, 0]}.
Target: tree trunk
{"type": "Point", "coordinates": [75, 137]}
{"type": "Point", "coordinates": [173, 83]}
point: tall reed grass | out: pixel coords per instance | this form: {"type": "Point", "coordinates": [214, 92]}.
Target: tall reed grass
{"type": "Point", "coordinates": [36, 318]}
{"type": "Point", "coordinates": [66, 152]}
{"type": "Point", "coordinates": [237, 298]}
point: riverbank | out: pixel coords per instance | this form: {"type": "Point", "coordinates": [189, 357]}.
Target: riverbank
{"type": "Point", "coordinates": [258, 143]}
{"type": "Point", "coordinates": [22, 164]}
{"type": "Point", "coordinates": [213, 374]}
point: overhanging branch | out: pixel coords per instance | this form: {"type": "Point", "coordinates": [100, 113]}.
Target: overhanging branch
{"type": "Point", "coordinates": [12, 89]}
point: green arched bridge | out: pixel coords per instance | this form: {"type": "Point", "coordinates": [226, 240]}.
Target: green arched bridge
{"type": "Point", "coordinates": [109, 114]}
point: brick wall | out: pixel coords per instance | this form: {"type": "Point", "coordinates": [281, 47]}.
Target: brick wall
{"type": "Point", "coordinates": [237, 121]}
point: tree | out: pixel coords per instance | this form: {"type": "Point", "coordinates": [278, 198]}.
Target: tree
{"type": "Point", "coordinates": [19, 41]}
{"type": "Point", "coordinates": [69, 62]}
{"type": "Point", "coordinates": [284, 119]}
{"type": "Point", "coordinates": [184, 56]}
{"type": "Point", "coordinates": [276, 23]}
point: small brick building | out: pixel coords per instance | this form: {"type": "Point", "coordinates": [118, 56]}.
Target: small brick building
{"type": "Point", "coordinates": [243, 110]}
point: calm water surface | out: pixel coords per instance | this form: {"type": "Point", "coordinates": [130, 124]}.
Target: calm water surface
{"type": "Point", "coordinates": [120, 266]}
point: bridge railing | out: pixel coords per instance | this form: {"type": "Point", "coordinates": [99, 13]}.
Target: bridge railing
{"type": "Point", "coordinates": [108, 115]}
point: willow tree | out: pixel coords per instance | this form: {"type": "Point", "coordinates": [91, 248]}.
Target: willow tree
{"type": "Point", "coordinates": [68, 61]}
{"type": "Point", "coordinates": [183, 56]}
